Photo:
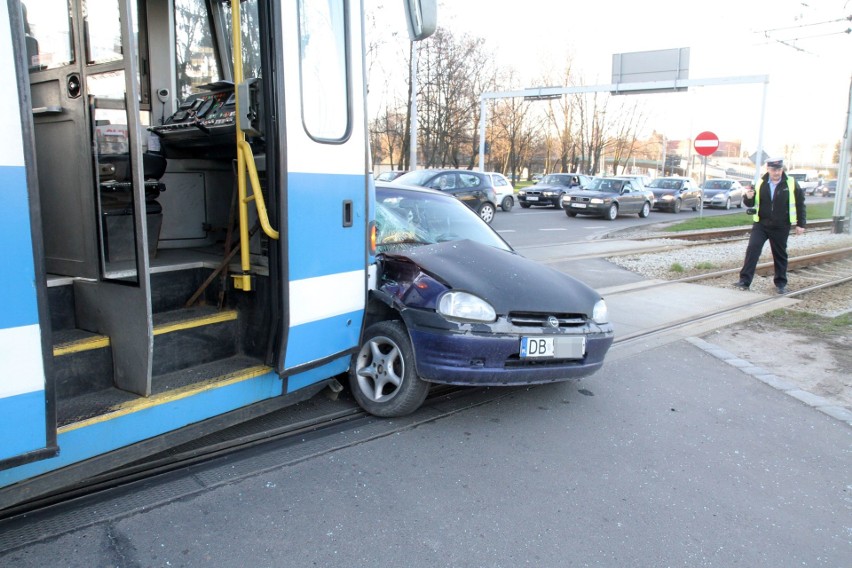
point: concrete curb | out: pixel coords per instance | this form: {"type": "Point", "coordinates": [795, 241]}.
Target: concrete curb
{"type": "Point", "coordinates": [823, 405]}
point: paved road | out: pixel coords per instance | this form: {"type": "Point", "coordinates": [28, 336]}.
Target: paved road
{"type": "Point", "coordinates": [670, 458]}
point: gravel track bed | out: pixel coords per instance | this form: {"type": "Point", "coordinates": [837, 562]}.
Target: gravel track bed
{"type": "Point", "coordinates": [713, 257]}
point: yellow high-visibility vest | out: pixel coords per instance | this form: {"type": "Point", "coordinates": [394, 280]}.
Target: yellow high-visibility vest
{"type": "Point", "coordinates": [791, 200]}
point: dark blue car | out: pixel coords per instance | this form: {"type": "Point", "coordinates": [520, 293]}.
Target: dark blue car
{"type": "Point", "coordinates": [451, 305]}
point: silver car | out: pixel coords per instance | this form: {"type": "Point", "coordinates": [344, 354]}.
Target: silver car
{"type": "Point", "coordinates": [723, 193]}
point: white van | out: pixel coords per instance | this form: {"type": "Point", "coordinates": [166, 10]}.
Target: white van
{"type": "Point", "coordinates": [808, 180]}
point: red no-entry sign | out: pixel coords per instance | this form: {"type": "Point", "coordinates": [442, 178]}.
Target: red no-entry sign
{"type": "Point", "coordinates": [706, 143]}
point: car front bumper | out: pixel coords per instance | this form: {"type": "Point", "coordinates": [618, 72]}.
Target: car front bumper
{"type": "Point", "coordinates": [465, 356]}
{"type": "Point", "coordinates": [539, 200]}
{"type": "Point", "coordinates": [585, 208]}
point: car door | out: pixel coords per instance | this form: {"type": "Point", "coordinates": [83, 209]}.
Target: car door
{"type": "Point", "coordinates": [631, 199]}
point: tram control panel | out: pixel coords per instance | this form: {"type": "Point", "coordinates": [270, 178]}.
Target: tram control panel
{"type": "Point", "coordinates": [204, 125]}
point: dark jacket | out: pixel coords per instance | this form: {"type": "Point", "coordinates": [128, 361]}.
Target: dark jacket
{"type": "Point", "coordinates": [776, 213]}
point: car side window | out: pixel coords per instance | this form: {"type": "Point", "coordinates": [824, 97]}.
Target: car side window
{"type": "Point", "coordinates": [444, 182]}
{"type": "Point", "coordinates": [498, 181]}
{"type": "Point", "coordinates": [469, 180]}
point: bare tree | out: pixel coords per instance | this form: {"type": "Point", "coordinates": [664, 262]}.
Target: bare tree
{"type": "Point", "coordinates": [592, 130]}
{"type": "Point", "coordinates": [625, 128]}
{"type": "Point", "coordinates": [449, 68]}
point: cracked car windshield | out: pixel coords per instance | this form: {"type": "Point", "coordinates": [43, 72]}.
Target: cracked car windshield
{"type": "Point", "coordinates": [409, 218]}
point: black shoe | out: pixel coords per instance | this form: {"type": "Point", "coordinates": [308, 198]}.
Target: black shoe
{"type": "Point", "coordinates": [741, 285]}
{"type": "Point", "coordinates": [781, 289]}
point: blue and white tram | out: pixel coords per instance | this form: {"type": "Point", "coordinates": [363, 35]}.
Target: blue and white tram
{"type": "Point", "coordinates": [186, 232]}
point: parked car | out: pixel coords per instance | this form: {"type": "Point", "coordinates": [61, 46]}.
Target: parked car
{"type": "Point", "coordinates": [505, 191]}
{"type": "Point", "coordinates": [537, 177]}
{"type": "Point", "coordinates": [723, 193]}
{"type": "Point", "coordinates": [474, 189]}
{"type": "Point", "coordinates": [675, 192]}
{"type": "Point", "coordinates": [453, 306]}
{"type": "Point", "coordinates": [608, 197]}
{"type": "Point", "coordinates": [550, 189]}
{"type": "Point", "coordinates": [391, 175]}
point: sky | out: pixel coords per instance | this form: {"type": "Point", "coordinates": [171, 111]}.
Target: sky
{"type": "Point", "coordinates": [799, 45]}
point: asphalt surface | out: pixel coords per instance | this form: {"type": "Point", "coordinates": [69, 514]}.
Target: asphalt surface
{"type": "Point", "coordinates": [671, 457]}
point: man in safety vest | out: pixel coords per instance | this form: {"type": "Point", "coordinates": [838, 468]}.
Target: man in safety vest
{"type": "Point", "coordinates": [778, 204]}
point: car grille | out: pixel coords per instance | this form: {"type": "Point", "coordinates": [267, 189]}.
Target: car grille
{"type": "Point", "coordinates": [580, 198]}
{"type": "Point", "coordinates": [533, 192]}
{"type": "Point", "coordinates": [532, 319]}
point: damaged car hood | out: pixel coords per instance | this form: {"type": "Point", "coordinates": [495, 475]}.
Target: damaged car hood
{"type": "Point", "coordinates": [508, 281]}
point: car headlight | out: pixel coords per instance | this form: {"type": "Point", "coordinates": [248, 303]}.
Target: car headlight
{"type": "Point", "coordinates": [522, 193]}
{"type": "Point", "coordinates": [596, 200]}
{"type": "Point", "coordinates": [600, 314]}
{"type": "Point", "coordinates": [465, 306]}
{"type": "Point", "coordinates": [667, 197]}
{"type": "Point", "coordinates": [548, 193]}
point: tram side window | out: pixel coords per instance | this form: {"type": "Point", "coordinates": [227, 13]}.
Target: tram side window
{"type": "Point", "coordinates": [47, 27]}
{"type": "Point", "coordinates": [325, 93]}
{"type": "Point", "coordinates": [195, 53]}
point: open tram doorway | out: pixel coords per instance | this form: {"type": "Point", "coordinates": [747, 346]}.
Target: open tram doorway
{"type": "Point", "coordinates": [135, 150]}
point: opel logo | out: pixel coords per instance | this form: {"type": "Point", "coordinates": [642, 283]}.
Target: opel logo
{"type": "Point", "coordinates": [552, 321]}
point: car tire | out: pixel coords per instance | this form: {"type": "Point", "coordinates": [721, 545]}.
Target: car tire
{"type": "Point", "coordinates": [696, 206]}
{"type": "Point", "coordinates": [486, 212]}
{"type": "Point", "coordinates": [646, 210]}
{"type": "Point", "coordinates": [559, 204]}
{"type": "Point", "coordinates": [525, 205]}
{"type": "Point", "coordinates": [507, 203]}
{"type": "Point", "coordinates": [676, 207]}
{"type": "Point", "coordinates": [570, 213]}
{"type": "Point", "coordinates": [740, 204]}
{"type": "Point", "coordinates": [612, 212]}
{"type": "Point", "coordinates": [727, 204]}
{"type": "Point", "coordinates": [382, 376]}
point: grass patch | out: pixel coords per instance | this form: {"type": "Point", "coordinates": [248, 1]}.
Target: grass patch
{"type": "Point", "coordinates": [676, 267]}
{"type": "Point", "coordinates": [808, 323]}
{"type": "Point", "coordinates": [704, 266]}
{"type": "Point", "coordinates": [738, 218]}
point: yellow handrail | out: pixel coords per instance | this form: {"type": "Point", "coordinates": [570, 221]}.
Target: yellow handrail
{"type": "Point", "coordinates": [245, 161]}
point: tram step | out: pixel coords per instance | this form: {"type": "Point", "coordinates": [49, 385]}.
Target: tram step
{"type": "Point", "coordinates": [193, 336]}
{"type": "Point", "coordinates": [82, 362]}
{"type": "Point", "coordinates": [111, 402]}
{"type": "Point", "coordinates": [171, 290]}
{"type": "Point", "coordinates": [182, 339]}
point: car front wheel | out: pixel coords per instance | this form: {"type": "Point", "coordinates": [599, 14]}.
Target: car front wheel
{"type": "Point", "coordinates": [382, 377]}
{"type": "Point", "coordinates": [525, 205]}
{"type": "Point", "coordinates": [486, 212]}
{"type": "Point", "coordinates": [507, 204]}
{"type": "Point", "coordinates": [676, 208]}
{"type": "Point", "coordinates": [646, 210]}
{"type": "Point", "coordinates": [728, 203]}
{"type": "Point", "coordinates": [612, 212]}
{"type": "Point", "coordinates": [570, 213]}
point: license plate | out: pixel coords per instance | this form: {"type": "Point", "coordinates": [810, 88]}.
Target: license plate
{"type": "Point", "coordinates": [578, 205]}
{"type": "Point", "coordinates": [532, 198]}
{"type": "Point", "coordinates": [553, 347]}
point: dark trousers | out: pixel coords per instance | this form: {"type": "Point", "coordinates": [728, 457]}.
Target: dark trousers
{"type": "Point", "coordinates": [777, 237]}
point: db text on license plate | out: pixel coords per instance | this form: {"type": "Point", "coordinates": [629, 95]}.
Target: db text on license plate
{"type": "Point", "coordinates": [532, 198]}
{"type": "Point", "coordinates": [553, 347]}
{"type": "Point", "coordinates": [579, 205]}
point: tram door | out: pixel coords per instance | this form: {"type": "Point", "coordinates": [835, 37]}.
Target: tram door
{"type": "Point", "coordinates": [86, 119]}
{"type": "Point", "coordinates": [326, 188]}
